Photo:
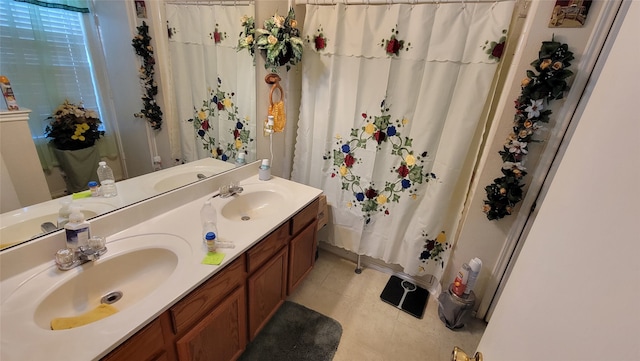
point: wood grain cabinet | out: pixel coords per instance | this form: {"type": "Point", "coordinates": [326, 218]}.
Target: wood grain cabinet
{"type": "Point", "coordinates": [217, 320]}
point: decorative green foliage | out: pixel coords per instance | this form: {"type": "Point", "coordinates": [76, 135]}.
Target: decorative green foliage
{"type": "Point", "coordinates": [142, 45]}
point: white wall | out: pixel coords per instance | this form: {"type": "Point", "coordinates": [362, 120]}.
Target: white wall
{"type": "Point", "coordinates": [576, 284]}
{"type": "Point", "coordinates": [479, 237]}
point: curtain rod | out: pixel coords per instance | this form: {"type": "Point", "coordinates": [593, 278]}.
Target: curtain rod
{"type": "Point", "coordinates": [394, 2]}
{"type": "Point", "coordinates": [211, 2]}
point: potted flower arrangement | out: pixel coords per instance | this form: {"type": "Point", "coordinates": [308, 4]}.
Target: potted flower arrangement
{"type": "Point", "coordinates": [73, 127]}
{"type": "Point", "coordinates": [280, 41]}
{"type": "Point", "coordinates": [73, 131]}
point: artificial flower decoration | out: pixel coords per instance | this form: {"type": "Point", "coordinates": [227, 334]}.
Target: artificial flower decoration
{"type": "Point", "coordinates": [247, 35]}
{"type": "Point", "coordinates": [142, 45]}
{"type": "Point", "coordinates": [280, 41]}
{"type": "Point", "coordinates": [73, 127]}
{"type": "Point", "coordinates": [538, 89]}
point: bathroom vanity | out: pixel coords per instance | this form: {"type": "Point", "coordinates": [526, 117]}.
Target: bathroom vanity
{"type": "Point", "coordinates": [216, 320]}
{"type": "Point", "coordinates": [173, 307]}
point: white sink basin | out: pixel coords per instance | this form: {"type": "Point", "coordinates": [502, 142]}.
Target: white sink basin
{"type": "Point", "coordinates": [24, 223]}
{"type": "Point", "coordinates": [172, 178]}
{"type": "Point", "coordinates": [253, 205]}
{"type": "Point", "coordinates": [136, 266]}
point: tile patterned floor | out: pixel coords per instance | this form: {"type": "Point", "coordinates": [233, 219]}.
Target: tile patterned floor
{"type": "Point", "coordinates": [372, 329]}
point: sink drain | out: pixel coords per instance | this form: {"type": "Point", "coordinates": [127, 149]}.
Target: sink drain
{"type": "Point", "coordinates": [245, 218]}
{"type": "Point", "coordinates": [111, 297]}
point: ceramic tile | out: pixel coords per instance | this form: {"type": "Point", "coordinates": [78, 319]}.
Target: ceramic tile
{"type": "Point", "coordinates": [372, 329]}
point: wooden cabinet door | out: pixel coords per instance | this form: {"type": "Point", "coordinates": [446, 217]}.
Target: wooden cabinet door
{"type": "Point", "coordinates": [267, 288]}
{"type": "Point", "coordinates": [153, 342]}
{"type": "Point", "coordinates": [221, 335]}
{"type": "Point", "coordinates": [302, 256]}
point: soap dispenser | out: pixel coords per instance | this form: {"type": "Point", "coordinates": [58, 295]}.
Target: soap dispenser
{"type": "Point", "coordinates": [77, 230]}
{"type": "Point", "coordinates": [264, 172]}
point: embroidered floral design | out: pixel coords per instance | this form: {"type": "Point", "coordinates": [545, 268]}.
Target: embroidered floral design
{"type": "Point", "coordinates": [206, 118]}
{"type": "Point", "coordinates": [393, 45]}
{"type": "Point", "coordinates": [217, 36]}
{"type": "Point", "coordinates": [319, 41]}
{"type": "Point", "coordinates": [409, 172]}
{"type": "Point", "coordinates": [531, 110]}
{"type": "Point", "coordinates": [495, 49]}
{"type": "Point", "coordinates": [170, 31]}
{"type": "Point", "coordinates": [433, 249]}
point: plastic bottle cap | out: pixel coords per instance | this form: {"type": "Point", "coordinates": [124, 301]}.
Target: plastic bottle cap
{"type": "Point", "coordinates": [210, 236]}
{"type": "Point", "coordinates": [93, 184]}
{"type": "Point", "coordinates": [240, 155]}
{"type": "Point", "coordinates": [265, 163]}
{"type": "Point", "coordinates": [102, 163]}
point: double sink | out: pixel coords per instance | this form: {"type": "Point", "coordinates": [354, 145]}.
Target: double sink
{"type": "Point", "coordinates": [146, 268]}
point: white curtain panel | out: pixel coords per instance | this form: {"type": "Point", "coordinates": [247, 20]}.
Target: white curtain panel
{"type": "Point", "coordinates": [201, 66]}
{"type": "Point", "coordinates": [384, 130]}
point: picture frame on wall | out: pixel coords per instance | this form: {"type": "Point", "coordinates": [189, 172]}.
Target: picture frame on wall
{"type": "Point", "coordinates": [141, 9]}
{"type": "Point", "coordinates": [569, 13]}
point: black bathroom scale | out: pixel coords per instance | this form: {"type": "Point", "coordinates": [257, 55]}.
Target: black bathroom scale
{"type": "Point", "coordinates": [406, 296]}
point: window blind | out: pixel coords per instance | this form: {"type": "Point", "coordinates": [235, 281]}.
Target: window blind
{"type": "Point", "coordinates": [43, 53]}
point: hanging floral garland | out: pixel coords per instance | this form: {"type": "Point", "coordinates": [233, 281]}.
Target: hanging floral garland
{"type": "Point", "coordinates": [538, 90]}
{"type": "Point", "coordinates": [142, 44]}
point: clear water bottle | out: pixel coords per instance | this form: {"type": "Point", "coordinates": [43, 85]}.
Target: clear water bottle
{"type": "Point", "coordinates": [208, 217]}
{"type": "Point", "coordinates": [107, 180]}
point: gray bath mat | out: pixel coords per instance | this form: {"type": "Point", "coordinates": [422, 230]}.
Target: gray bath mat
{"type": "Point", "coordinates": [295, 333]}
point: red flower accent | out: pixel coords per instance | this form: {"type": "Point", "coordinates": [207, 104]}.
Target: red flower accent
{"type": "Point", "coordinates": [497, 50]}
{"type": "Point", "coordinates": [219, 151]}
{"type": "Point", "coordinates": [205, 125]}
{"type": "Point", "coordinates": [236, 134]}
{"type": "Point", "coordinates": [349, 160]}
{"type": "Point", "coordinates": [320, 42]}
{"type": "Point", "coordinates": [371, 193]}
{"type": "Point", "coordinates": [403, 171]}
{"type": "Point", "coordinates": [379, 136]}
{"type": "Point", "coordinates": [216, 36]}
{"type": "Point", "coordinates": [386, 212]}
{"type": "Point", "coordinates": [364, 115]}
{"type": "Point", "coordinates": [220, 106]}
{"type": "Point", "coordinates": [333, 175]}
{"type": "Point", "coordinates": [393, 46]}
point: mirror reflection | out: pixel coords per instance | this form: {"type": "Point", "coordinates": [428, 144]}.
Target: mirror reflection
{"type": "Point", "coordinates": [205, 93]}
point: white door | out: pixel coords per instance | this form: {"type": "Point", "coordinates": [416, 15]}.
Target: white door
{"type": "Point", "coordinates": [574, 293]}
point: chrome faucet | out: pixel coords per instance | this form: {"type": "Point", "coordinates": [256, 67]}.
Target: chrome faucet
{"type": "Point", "coordinates": [68, 258]}
{"type": "Point", "coordinates": [229, 190]}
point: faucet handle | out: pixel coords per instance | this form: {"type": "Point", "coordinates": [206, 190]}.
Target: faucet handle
{"type": "Point", "coordinates": [66, 259]}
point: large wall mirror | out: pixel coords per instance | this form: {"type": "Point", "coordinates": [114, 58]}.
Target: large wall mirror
{"type": "Point", "coordinates": [206, 90]}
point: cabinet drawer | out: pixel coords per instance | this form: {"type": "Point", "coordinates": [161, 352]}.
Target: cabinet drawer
{"type": "Point", "coordinates": [198, 303]}
{"type": "Point", "coordinates": [264, 250]}
{"type": "Point", "coordinates": [304, 217]}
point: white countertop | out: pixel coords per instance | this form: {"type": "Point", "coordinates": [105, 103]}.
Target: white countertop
{"type": "Point", "coordinates": [23, 340]}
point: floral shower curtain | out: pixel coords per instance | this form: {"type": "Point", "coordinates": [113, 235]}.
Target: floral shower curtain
{"type": "Point", "coordinates": [214, 83]}
{"type": "Point", "coordinates": [391, 98]}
